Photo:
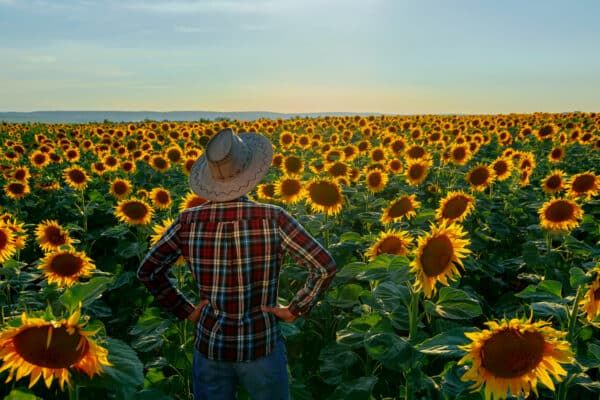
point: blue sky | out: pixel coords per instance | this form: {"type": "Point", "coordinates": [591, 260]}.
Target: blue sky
{"type": "Point", "coordinates": [391, 56]}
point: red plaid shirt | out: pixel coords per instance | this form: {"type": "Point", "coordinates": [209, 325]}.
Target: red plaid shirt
{"type": "Point", "coordinates": [235, 250]}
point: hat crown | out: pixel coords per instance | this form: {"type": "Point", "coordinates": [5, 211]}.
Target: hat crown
{"type": "Point", "coordinates": [227, 155]}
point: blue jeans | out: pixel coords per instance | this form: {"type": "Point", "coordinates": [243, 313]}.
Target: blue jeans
{"type": "Point", "coordinates": [265, 378]}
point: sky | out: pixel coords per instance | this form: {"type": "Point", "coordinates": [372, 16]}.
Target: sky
{"type": "Point", "coordinates": [296, 56]}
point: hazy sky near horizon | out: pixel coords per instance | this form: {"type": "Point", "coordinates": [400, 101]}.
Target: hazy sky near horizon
{"type": "Point", "coordinates": [391, 56]}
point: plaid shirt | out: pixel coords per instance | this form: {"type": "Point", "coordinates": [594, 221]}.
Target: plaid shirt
{"type": "Point", "coordinates": [235, 250]}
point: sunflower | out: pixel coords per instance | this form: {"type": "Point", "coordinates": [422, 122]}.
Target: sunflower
{"type": "Point", "coordinates": [161, 198]}
{"type": "Point", "coordinates": [39, 159]}
{"type": "Point", "coordinates": [120, 188]}
{"type": "Point", "coordinates": [338, 169]}
{"type": "Point", "coordinates": [160, 163]}
{"type": "Point", "coordinates": [188, 163]}
{"type": "Point", "coordinates": [416, 171]}
{"type": "Point", "coordinates": [72, 154]}
{"type": "Point", "coordinates": [460, 154]}
{"type": "Point", "coordinates": [18, 230]}
{"type": "Point", "coordinates": [51, 349]}
{"type": "Point", "coordinates": [376, 180]}
{"type": "Point", "coordinates": [324, 196]}
{"type": "Point", "coordinates": [292, 165]}
{"type": "Point", "coordinates": [554, 182]}
{"type": "Point", "coordinates": [590, 304]}
{"type": "Point", "coordinates": [16, 190]}
{"type": "Point", "coordinates": [514, 355]}
{"type": "Point", "coordinates": [134, 212]}
{"type": "Point", "coordinates": [437, 256]}
{"type": "Point", "coordinates": [51, 235]}
{"type": "Point", "coordinates": [402, 207]}
{"type": "Point", "coordinates": [585, 184]}
{"type": "Point", "coordinates": [559, 215]}
{"type": "Point", "coordinates": [395, 166]}
{"type": "Point", "coordinates": [556, 154]}
{"type": "Point", "coordinates": [502, 167]}
{"type": "Point", "coordinates": [190, 200]}
{"type": "Point", "coordinates": [390, 242]}
{"type": "Point", "coordinates": [265, 191]}
{"type": "Point", "coordinates": [456, 206]}
{"type": "Point", "coordinates": [99, 168]}
{"type": "Point", "coordinates": [174, 154]}
{"type": "Point", "coordinates": [21, 174]}
{"type": "Point", "coordinates": [415, 152]}
{"type": "Point", "coordinates": [289, 189]}
{"type": "Point", "coordinates": [378, 154]}
{"type": "Point", "coordinates": [65, 267]}
{"type": "Point", "coordinates": [159, 230]}
{"type": "Point", "coordinates": [128, 166]}
{"type": "Point", "coordinates": [480, 177]}
{"type": "Point", "coordinates": [546, 132]}
{"type": "Point", "coordinates": [7, 242]}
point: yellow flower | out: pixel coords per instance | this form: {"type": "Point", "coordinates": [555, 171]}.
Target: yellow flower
{"type": "Point", "coordinates": [65, 267]}
{"type": "Point", "coordinates": [134, 212]}
{"type": "Point", "coordinates": [289, 189]}
{"type": "Point", "coordinates": [585, 184]}
{"type": "Point", "coordinates": [560, 215]}
{"type": "Point", "coordinates": [76, 177]}
{"type": "Point", "coordinates": [190, 200]}
{"type": "Point", "coordinates": [7, 243]}
{"type": "Point", "coordinates": [455, 206]}
{"type": "Point", "coordinates": [51, 235]}
{"type": "Point", "coordinates": [390, 242]}
{"type": "Point", "coordinates": [402, 207]}
{"type": "Point", "coordinates": [515, 355]}
{"type": "Point", "coordinates": [324, 196]}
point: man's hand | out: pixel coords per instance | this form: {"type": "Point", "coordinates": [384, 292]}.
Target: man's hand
{"type": "Point", "coordinates": [195, 315]}
{"type": "Point", "coordinates": [283, 313]}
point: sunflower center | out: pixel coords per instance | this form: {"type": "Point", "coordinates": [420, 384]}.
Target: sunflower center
{"type": "Point", "coordinates": [556, 153]}
{"type": "Point", "coordinates": [455, 207]}
{"type": "Point", "coordinates": [377, 155]}
{"type": "Point", "coordinates": [39, 159]}
{"type": "Point", "coordinates": [174, 155]}
{"type": "Point", "coordinates": [338, 169]}
{"type": "Point", "coordinates": [290, 187]}
{"type": "Point", "coordinates": [437, 255]}
{"type": "Point", "coordinates": [55, 236]}
{"type": "Point", "coordinates": [324, 194]}
{"type": "Point", "coordinates": [20, 175]}
{"type": "Point", "coordinates": [374, 179]}
{"type": "Point", "coordinates": [553, 182]}
{"type": "Point", "coordinates": [583, 183]}
{"type": "Point", "coordinates": [269, 189]}
{"type": "Point", "coordinates": [416, 171]}
{"type": "Point", "coordinates": [546, 131]}
{"type": "Point", "coordinates": [3, 239]}
{"type": "Point", "coordinates": [160, 163]}
{"type": "Point", "coordinates": [120, 188]}
{"type": "Point", "coordinates": [391, 245]}
{"type": "Point", "coordinates": [500, 167]}
{"type": "Point", "coordinates": [479, 176]}
{"type": "Point", "coordinates": [196, 201]}
{"type": "Point", "coordinates": [16, 188]}
{"type": "Point", "coordinates": [293, 164]}
{"type": "Point", "coordinates": [416, 152]}
{"type": "Point", "coordinates": [135, 210]}
{"type": "Point", "coordinates": [459, 153]}
{"type": "Point", "coordinates": [59, 352]}
{"type": "Point", "coordinates": [510, 353]}
{"type": "Point", "coordinates": [162, 197]}
{"type": "Point", "coordinates": [66, 264]}
{"type": "Point", "coordinates": [560, 211]}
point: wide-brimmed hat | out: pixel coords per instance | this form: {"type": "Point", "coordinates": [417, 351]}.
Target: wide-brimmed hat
{"type": "Point", "coordinates": [231, 166]}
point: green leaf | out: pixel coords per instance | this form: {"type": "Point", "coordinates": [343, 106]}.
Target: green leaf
{"type": "Point", "coordinates": [335, 362]}
{"type": "Point", "coordinates": [446, 343]}
{"type": "Point", "coordinates": [20, 394]}
{"type": "Point", "coordinates": [357, 389]}
{"type": "Point", "coordinates": [85, 292]}
{"type": "Point", "coordinates": [351, 270]}
{"type": "Point", "coordinates": [117, 231]}
{"type": "Point", "coordinates": [391, 295]}
{"type": "Point", "coordinates": [454, 304]}
{"type": "Point", "coordinates": [547, 290]}
{"type": "Point", "coordinates": [391, 350]}
{"type": "Point", "coordinates": [577, 277]}
{"type": "Point", "coordinates": [550, 309]}
{"type": "Point", "coordinates": [346, 296]}
{"type": "Point", "coordinates": [350, 237]}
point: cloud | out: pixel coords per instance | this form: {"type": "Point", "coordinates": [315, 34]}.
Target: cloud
{"type": "Point", "coordinates": [42, 59]}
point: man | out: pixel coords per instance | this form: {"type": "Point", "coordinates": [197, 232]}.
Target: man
{"type": "Point", "coordinates": [234, 248]}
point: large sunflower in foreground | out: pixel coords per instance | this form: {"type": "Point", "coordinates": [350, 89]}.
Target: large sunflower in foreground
{"type": "Point", "coordinates": [514, 356]}
{"type": "Point", "coordinates": [65, 267]}
{"type": "Point", "coordinates": [437, 256]}
{"type": "Point", "coordinates": [554, 182]}
{"type": "Point", "coordinates": [50, 349]}
{"type": "Point", "coordinates": [585, 185]}
{"type": "Point", "coordinates": [591, 301]}
{"type": "Point", "coordinates": [51, 235]}
{"type": "Point", "coordinates": [324, 196]}
{"type": "Point", "coordinates": [560, 215]}
{"type": "Point", "coordinates": [455, 206]}
{"type": "Point", "coordinates": [390, 242]}
{"type": "Point", "coordinates": [134, 212]}
{"type": "Point", "coordinates": [7, 242]}
{"type": "Point", "coordinates": [402, 207]}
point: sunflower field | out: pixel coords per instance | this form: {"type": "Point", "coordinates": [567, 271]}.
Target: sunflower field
{"type": "Point", "coordinates": [467, 248]}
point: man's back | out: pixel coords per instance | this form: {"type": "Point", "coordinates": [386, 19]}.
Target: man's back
{"type": "Point", "coordinates": [235, 250]}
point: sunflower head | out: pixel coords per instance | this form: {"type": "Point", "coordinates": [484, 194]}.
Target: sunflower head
{"type": "Point", "coordinates": [134, 211]}
{"type": "Point", "coordinates": [554, 182]}
{"type": "Point", "coordinates": [51, 349]}
{"type": "Point", "coordinates": [390, 242]}
{"type": "Point", "coordinates": [416, 171]}
{"type": "Point", "coordinates": [590, 303]}
{"type": "Point", "coordinates": [402, 207]}
{"type": "Point", "coordinates": [7, 242]}
{"type": "Point", "coordinates": [585, 185]}
{"type": "Point", "coordinates": [120, 188]}
{"type": "Point", "coordinates": [51, 235]}
{"type": "Point", "coordinates": [190, 200]}
{"type": "Point", "coordinates": [324, 195]}
{"type": "Point", "coordinates": [376, 180]}
{"type": "Point", "coordinates": [16, 190]}
{"type": "Point", "coordinates": [161, 198]}
{"type": "Point", "coordinates": [560, 215]}
{"type": "Point", "coordinates": [293, 165]}
{"type": "Point", "coordinates": [480, 177]}
{"type": "Point", "coordinates": [289, 189]}
{"type": "Point", "coordinates": [265, 191]}
{"type": "Point", "coordinates": [65, 267]}
{"type": "Point", "coordinates": [438, 256]}
{"type": "Point", "coordinates": [456, 206]}
{"type": "Point", "coordinates": [515, 355]}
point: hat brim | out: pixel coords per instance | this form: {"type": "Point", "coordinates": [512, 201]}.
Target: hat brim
{"type": "Point", "coordinates": [203, 184]}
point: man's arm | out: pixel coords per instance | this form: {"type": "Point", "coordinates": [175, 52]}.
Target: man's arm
{"type": "Point", "coordinates": [309, 253]}
{"type": "Point", "coordinates": [154, 268]}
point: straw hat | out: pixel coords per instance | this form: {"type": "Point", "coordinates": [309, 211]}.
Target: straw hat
{"type": "Point", "coordinates": [231, 166]}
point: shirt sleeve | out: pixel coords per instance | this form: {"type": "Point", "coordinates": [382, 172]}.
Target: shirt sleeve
{"type": "Point", "coordinates": [154, 268]}
{"type": "Point", "coordinates": [309, 253]}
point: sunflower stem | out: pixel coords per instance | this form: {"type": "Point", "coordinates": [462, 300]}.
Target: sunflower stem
{"type": "Point", "coordinates": [573, 316]}
{"type": "Point", "coordinates": [74, 392]}
{"type": "Point", "coordinates": [413, 315]}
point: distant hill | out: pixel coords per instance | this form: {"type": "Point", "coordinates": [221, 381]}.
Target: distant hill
{"type": "Point", "coordinates": [134, 116]}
